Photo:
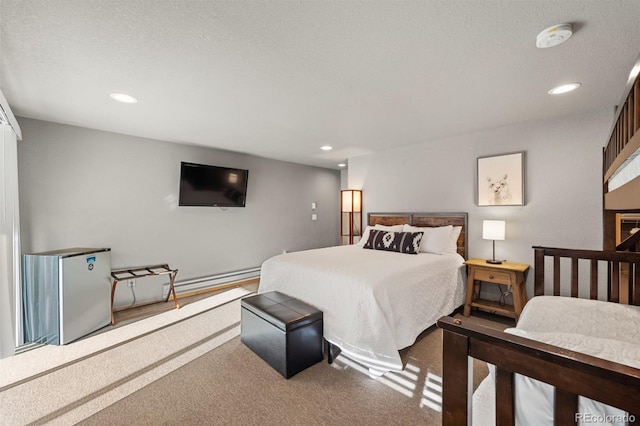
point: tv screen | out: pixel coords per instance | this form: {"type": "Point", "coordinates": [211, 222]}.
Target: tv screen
{"type": "Point", "coordinates": [212, 186]}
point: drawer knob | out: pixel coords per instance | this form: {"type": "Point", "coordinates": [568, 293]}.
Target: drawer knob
{"type": "Point", "coordinates": [491, 276]}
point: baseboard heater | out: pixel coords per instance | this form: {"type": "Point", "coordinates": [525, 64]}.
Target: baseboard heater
{"type": "Point", "coordinates": [212, 281]}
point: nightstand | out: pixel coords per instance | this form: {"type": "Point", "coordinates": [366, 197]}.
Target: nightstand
{"type": "Point", "coordinates": [506, 273]}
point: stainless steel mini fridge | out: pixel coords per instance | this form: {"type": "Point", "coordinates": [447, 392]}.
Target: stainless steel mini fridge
{"type": "Point", "coordinates": [67, 294]}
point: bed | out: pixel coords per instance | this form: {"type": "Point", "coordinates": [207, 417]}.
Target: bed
{"type": "Point", "coordinates": [569, 360]}
{"type": "Point", "coordinates": [376, 302]}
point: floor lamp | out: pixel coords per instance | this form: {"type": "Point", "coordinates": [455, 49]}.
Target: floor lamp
{"type": "Point", "coordinates": [350, 216]}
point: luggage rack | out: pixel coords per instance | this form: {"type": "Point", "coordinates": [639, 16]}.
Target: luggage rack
{"type": "Point", "coordinates": [125, 274]}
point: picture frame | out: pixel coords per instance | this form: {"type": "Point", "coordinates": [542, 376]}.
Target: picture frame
{"type": "Point", "coordinates": [500, 180]}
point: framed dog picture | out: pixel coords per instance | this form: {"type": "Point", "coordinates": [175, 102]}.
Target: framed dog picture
{"type": "Point", "coordinates": [501, 180]}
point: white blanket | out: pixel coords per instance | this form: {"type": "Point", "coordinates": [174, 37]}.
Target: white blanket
{"type": "Point", "coordinates": [374, 302]}
{"type": "Point", "coordinates": [605, 330]}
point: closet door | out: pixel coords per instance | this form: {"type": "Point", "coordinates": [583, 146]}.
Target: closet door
{"type": "Point", "coordinates": [10, 282]}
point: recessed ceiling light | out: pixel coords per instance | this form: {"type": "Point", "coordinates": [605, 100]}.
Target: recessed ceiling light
{"type": "Point", "coordinates": [123, 97]}
{"type": "Point", "coordinates": [326, 148]}
{"type": "Point", "coordinates": [553, 36]}
{"type": "Point", "coordinates": [564, 88]}
{"type": "Point", "coordinates": [342, 165]}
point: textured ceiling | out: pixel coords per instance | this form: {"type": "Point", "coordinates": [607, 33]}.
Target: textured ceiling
{"type": "Point", "coordinates": [279, 79]}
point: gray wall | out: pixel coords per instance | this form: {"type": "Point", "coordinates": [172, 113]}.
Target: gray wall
{"type": "Point", "coordinates": [563, 183]}
{"type": "Point", "coordinates": [81, 187]}
{"type": "Point", "coordinates": [88, 188]}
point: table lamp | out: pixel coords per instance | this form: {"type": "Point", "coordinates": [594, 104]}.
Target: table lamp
{"type": "Point", "coordinates": [493, 230]}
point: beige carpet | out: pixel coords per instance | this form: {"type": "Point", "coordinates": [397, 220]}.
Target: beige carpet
{"type": "Point", "coordinates": [231, 385]}
{"type": "Point", "coordinates": [188, 367]}
{"type": "Point", "coordinates": [65, 384]}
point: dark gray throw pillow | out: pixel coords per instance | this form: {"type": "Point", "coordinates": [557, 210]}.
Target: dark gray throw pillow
{"type": "Point", "coordinates": [401, 242]}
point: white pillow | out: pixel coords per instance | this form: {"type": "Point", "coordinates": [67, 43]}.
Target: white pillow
{"type": "Point", "coordinates": [455, 234]}
{"type": "Point", "coordinates": [365, 237]}
{"type": "Point", "coordinates": [437, 239]}
{"type": "Point", "coordinates": [365, 234]}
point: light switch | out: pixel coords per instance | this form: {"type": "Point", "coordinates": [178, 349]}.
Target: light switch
{"type": "Point", "coordinates": [314, 216]}
{"type": "Point", "coordinates": [313, 206]}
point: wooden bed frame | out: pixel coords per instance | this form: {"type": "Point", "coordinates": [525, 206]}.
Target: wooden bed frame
{"type": "Point", "coordinates": [571, 373]}
{"type": "Point", "coordinates": [430, 219]}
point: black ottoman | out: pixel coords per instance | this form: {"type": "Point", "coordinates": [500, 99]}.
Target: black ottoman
{"type": "Point", "coordinates": [282, 330]}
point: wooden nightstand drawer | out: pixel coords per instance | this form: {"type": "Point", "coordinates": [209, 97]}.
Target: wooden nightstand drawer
{"type": "Point", "coordinates": [493, 276]}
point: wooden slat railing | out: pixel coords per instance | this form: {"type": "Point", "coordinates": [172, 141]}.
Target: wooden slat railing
{"type": "Point", "coordinates": [612, 260]}
{"type": "Point", "coordinates": [626, 126]}
{"type": "Point", "coordinates": [571, 373]}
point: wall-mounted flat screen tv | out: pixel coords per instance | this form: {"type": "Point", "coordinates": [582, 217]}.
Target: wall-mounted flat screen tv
{"type": "Point", "coordinates": [212, 186]}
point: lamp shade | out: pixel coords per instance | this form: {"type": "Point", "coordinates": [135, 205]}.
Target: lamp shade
{"type": "Point", "coordinates": [351, 201]}
{"type": "Point", "coordinates": [493, 229]}
{"type": "Point", "coordinates": [350, 216]}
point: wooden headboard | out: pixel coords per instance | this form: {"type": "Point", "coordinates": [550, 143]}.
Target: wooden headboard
{"type": "Point", "coordinates": [425, 219]}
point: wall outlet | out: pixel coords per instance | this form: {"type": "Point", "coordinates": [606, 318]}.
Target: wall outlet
{"type": "Point", "coordinates": [314, 216]}
{"type": "Point", "coordinates": [131, 283]}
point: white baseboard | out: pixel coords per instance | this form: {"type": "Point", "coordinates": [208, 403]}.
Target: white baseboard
{"type": "Point", "coordinates": [212, 281]}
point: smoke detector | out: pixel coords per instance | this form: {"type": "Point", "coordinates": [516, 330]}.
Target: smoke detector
{"type": "Point", "coordinates": [553, 36]}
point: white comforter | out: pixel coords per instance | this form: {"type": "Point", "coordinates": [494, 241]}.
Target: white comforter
{"type": "Point", "coordinates": [605, 330]}
{"type": "Point", "coordinates": [374, 302]}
